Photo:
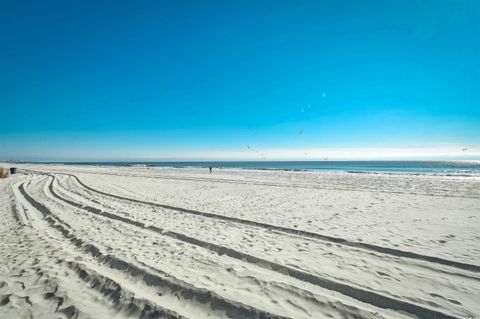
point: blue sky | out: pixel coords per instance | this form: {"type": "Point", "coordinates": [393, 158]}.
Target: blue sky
{"type": "Point", "coordinates": [120, 80]}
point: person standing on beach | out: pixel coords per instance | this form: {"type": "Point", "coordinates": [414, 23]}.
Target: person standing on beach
{"type": "Point", "coordinates": [210, 168]}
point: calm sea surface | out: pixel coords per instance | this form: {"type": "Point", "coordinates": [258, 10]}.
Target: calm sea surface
{"type": "Point", "coordinates": [411, 167]}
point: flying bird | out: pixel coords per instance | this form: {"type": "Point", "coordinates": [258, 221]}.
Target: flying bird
{"type": "Point", "coordinates": [301, 132]}
{"type": "Point", "coordinates": [465, 149]}
{"type": "Point", "coordinates": [248, 146]}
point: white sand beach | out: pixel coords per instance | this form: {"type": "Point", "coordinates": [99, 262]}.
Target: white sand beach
{"type": "Point", "coordinates": [138, 242]}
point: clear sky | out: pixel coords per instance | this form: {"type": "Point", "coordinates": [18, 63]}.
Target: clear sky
{"type": "Point", "coordinates": [120, 80]}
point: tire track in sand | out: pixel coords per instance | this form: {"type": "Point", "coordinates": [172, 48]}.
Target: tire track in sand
{"type": "Point", "coordinates": [44, 284]}
{"type": "Point", "coordinates": [289, 290]}
{"type": "Point", "coordinates": [174, 286]}
{"type": "Point", "coordinates": [339, 187]}
{"type": "Point", "coordinates": [337, 240]}
{"type": "Point", "coordinates": [363, 295]}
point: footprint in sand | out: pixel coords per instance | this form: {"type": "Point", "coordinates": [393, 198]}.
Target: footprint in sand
{"type": "Point", "coordinates": [382, 274]}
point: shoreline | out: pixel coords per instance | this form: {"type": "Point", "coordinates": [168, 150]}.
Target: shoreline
{"type": "Point", "coordinates": [342, 167]}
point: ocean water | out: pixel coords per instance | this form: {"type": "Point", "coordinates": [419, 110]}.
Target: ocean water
{"type": "Point", "coordinates": [467, 168]}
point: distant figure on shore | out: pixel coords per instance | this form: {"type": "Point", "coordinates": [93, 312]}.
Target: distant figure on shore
{"type": "Point", "coordinates": [210, 168]}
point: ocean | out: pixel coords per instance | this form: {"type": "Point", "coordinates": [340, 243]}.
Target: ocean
{"type": "Point", "coordinates": [467, 168]}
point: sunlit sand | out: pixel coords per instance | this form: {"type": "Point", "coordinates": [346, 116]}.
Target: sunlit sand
{"type": "Point", "coordinates": [104, 242]}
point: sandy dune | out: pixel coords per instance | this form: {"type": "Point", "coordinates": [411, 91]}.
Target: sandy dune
{"type": "Point", "coordinates": [98, 242]}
